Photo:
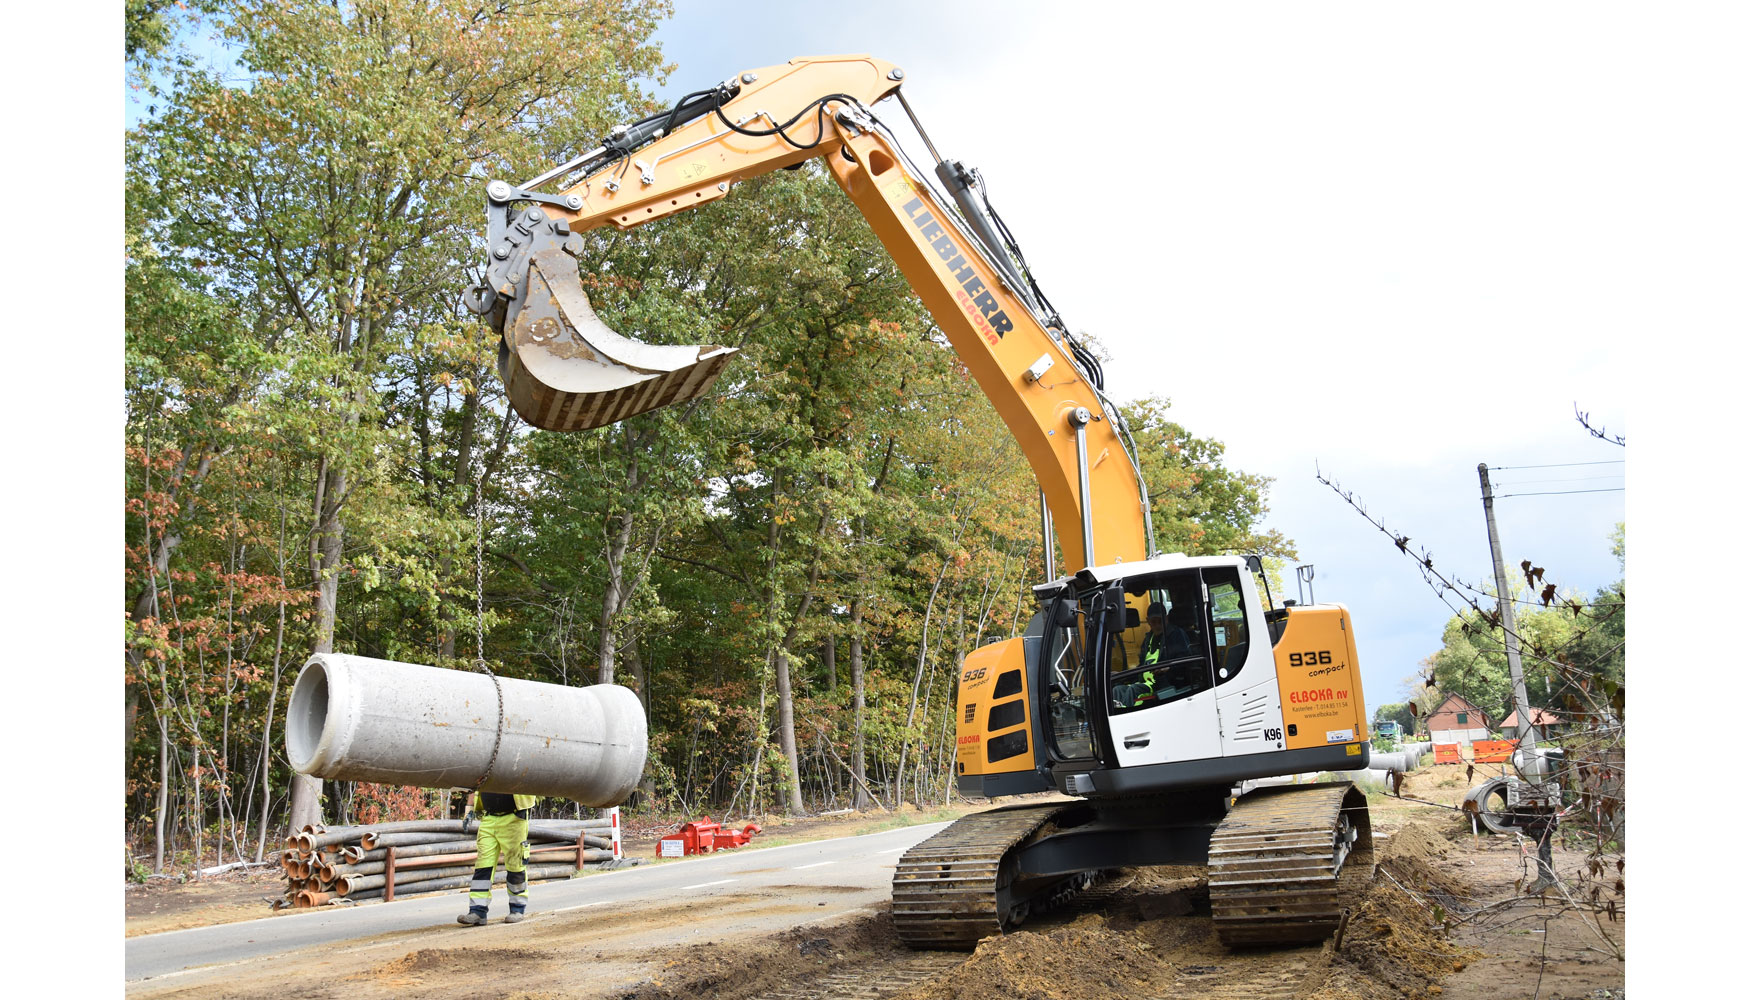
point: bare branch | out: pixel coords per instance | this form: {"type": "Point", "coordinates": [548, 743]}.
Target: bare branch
{"type": "Point", "coordinates": [1597, 432]}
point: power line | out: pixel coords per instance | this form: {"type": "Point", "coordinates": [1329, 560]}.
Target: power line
{"type": "Point", "coordinates": [1575, 479]}
{"type": "Point", "coordinates": [1556, 493]}
{"type": "Point", "coordinates": [1557, 465]}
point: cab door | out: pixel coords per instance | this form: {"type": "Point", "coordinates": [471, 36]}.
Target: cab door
{"type": "Point", "coordinates": [1174, 717]}
{"type": "Point", "coordinates": [1066, 678]}
{"type": "Point", "coordinates": [1248, 699]}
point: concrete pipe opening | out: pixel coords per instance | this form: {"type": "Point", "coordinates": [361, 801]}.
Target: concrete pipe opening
{"type": "Point", "coordinates": [306, 716]}
{"type": "Point", "coordinates": [357, 718]}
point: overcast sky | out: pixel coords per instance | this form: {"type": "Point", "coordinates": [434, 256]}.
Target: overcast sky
{"type": "Point", "coordinates": [1385, 241]}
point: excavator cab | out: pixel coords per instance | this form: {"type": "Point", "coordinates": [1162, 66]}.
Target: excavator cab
{"type": "Point", "coordinates": [1097, 701]}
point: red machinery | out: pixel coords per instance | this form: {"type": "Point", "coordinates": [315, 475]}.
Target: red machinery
{"type": "Point", "coordinates": [702, 837]}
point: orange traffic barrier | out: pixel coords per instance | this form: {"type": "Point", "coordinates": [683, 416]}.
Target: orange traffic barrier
{"type": "Point", "coordinates": [1446, 753]}
{"type": "Point", "coordinates": [1494, 751]}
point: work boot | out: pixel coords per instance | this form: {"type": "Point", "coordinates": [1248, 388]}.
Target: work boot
{"type": "Point", "coordinates": [515, 915]}
{"type": "Point", "coordinates": [474, 917]}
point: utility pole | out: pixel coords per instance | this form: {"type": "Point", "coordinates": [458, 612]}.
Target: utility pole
{"type": "Point", "coordinates": [1504, 601]}
{"type": "Point", "coordinates": [1539, 796]}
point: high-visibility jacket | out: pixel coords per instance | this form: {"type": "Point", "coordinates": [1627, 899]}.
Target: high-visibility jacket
{"type": "Point", "coordinates": [1154, 649]}
{"type": "Point", "coordinates": [1169, 645]}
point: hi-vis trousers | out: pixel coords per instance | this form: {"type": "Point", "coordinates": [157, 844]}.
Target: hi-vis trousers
{"type": "Point", "coordinates": [501, 838]}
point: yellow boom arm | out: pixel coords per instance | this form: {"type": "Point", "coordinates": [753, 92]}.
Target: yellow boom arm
{"type": "Point", "coordinates": [565, 370]}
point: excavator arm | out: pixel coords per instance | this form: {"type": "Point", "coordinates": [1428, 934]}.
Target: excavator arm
{"type": "Point", "coordinates": [566, 370]}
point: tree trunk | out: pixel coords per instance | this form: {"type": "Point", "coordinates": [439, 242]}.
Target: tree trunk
{"type": "Point", "coordinates": [613, 598]}
{"type": "Point", "coordinates": [862, 800]}
{"type": "Point", "coordinates": [635, 663]}
{"type": "Point", "coordinates": [279, 639]}
{"type": "Point", "coordinates": [618, 592]}
{"type": "Point", "coordinates": [786, 697]}
{"type": "Point", "coordinates": [787, 730]}
{"type": "Point", "coordinates": [163, 794]}
{"type": "Point", "coordinates": [459, 479]}
{"type": "Point", "coordinates": [828, 655]}
{"type": "Point", "coordinates": [918, 679]}
{"type": "Point", "coordinates": [306, 800]}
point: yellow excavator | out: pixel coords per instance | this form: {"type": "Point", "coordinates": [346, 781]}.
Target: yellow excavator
{"type": "Point", "coordinates": [1156, 691]}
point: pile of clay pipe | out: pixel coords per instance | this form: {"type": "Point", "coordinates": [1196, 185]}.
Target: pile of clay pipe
{"type": "Point", "coordinates": [389, 861]}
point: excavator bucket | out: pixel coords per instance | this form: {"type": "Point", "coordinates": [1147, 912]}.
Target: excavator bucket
{"type": "Point", "coordinates": [566, 371]}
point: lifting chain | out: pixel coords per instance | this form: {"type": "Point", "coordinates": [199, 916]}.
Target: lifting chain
{"type": "Point", "coordinates": [480, 624]}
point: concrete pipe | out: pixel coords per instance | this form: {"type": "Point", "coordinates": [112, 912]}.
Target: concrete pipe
{"type": "Point", "coordinates": [1387, 762]}
{"type": "Point", "coordinates": [1490, 798]}
{"type": "Point", "coordinates": [362, 719]}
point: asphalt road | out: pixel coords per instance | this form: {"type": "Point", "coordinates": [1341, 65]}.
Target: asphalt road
{"type": "Point", "coordinates": [865, 862]}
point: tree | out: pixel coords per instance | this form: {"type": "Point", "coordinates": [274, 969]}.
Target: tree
{"type": "Point", "coordinates": [1199, 506]}
{"type": "Point", "coordinates": [338, 193]}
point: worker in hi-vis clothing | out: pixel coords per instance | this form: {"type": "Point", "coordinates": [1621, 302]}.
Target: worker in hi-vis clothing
{"type": "Point", "coordinates": [503, 835]}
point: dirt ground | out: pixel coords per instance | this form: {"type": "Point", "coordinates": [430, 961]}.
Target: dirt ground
{"type": "Point", "coordinates": [1441, 919]}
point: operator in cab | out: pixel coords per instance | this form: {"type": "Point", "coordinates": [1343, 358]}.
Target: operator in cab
{"type": "Point", "coordinates": [1154, 651]}
{"type": "Point", "coordinates": [1154, 644]}
{"type": "Point", "coordinates": [1167, 639]}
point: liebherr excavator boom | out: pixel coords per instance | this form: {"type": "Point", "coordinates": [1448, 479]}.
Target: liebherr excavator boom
{"type": "Point", "coordinates": [1149, 727]}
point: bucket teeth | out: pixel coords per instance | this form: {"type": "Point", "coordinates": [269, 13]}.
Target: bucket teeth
{"type": "Point", "coordinates": [565, 370]}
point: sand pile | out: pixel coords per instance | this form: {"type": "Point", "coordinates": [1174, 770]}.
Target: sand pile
{"type": "Point", "coordinates": [1395, 943]}
{"type": "Point", "coordinates": [1086, 960]}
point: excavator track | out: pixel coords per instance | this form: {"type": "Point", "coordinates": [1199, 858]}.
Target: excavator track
{"type": "Point", "coordinates": [1286, 863]}
{"type": "Point", "coordinates": [957, 887]}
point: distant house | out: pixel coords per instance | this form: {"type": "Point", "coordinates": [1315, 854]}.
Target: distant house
{"type": "Point", "coordinates": [1540, 719]}
{"type": "Point", "coordinates": [1456, 720]}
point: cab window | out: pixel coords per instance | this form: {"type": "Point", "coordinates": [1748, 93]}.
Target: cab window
{"type": "Point", "coordinates": [1165, 658]}
{"type": "Point", "coordinates": [1229, 636]}
{"type": "Point", "coordinates": [1065, 677]}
